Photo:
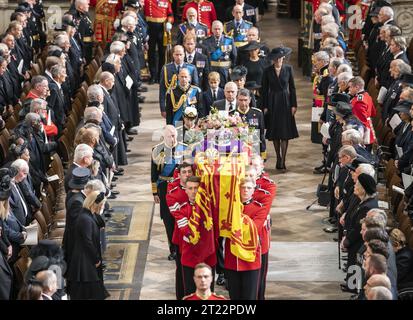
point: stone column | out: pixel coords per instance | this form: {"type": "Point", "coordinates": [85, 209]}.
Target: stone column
{"type": "Point", "coordinates": [404, 16]}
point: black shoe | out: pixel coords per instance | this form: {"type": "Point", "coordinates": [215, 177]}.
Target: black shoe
{"type": "Point", "coordinates": [172, 256]}
{"type": "Point", "coordinates": [344, 288]}
{"type": "Point", "coordinates": [143, 89]}
{"type": "Point", "coordinates": [141, 99]}
{"type": "Point", "coordinates": [115, 179]}
{"type": "Point", "coordinates": [129, 138]}
{"type": "Point", "coordinates": [128, 150]}
{"type": "Point", "coordinates": [112, 196]}
{"type": "Point", "coordinates": [319, 167]}
{"type": "Point", "coordinates": [330, 229]}
{"type": "Point", "coordinates": [335, 239]}
{"type": "Point", "coordinates": [131, 131]}
{"type": "Point", "coordinates": [110, 210]}
{"type": "Point", "coordinates": [120, 169]}
{"type": "Point", "coordinates": [107, 214]}
{"type": "Point", "coordinates": [220, 279]}
{"type": "Point", "coordinates": [113, 185]}
{"type": "Point", "coordinates": [115, 192]}
{"type": "Point", "coordinates": [118, 173]}
{"type": "Point", "coordinates": [332, 220]}
{"type": "Point", "coordinates": [320, 171]}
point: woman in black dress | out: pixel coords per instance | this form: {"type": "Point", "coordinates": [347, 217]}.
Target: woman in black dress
{"type": "Point", "coordinates": [279, 102]}
{"type": "Point", "coordinates": [85, 275]}
{"type": "Point", "coordinates": [255, 64]}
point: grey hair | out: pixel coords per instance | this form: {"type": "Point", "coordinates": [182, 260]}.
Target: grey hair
{"type": "Point", "coordinates": [20, 164]}
{"type": "Point", "coordinates": [322, 56]}
{"type": "Point", "coordinates": [112, 58]}
{"type": "Point", "coordinates": [105, 75]}
{"type": "Point", "coordinates": [94, 92]}
{"type": "Point", "coordinates": [92, 113]}
{"type": "Point", "coordinates": [61, 39]}
{"type": "Point", "coordinates": [345, 68]}
{"type": "Point", "coordinates": [353, 136]}
{"type": "Point", "coordinates": [376, 221]}
{"type": "Point", "coordinates": [380, 293]}
{"type": "Point", "coordinates": [348, 151]}
{"type": "Point", "coordinates": [116, 47]}
{"type": "Point", "coordinates": [56, 70]}
{"type": "Point", "coordinates": [344, 76]}
{"type": "Point", "coordinates": [379, 212]}
{"type": "Point", "coordinates": [388, 11]}
{"type": "Point", "coordinates": [402, 66]}
{"type": "Point", "coordinates": [327, 19]}
{"type": "Point", "coordinates": [400, 41]}
{"type": "Point", "coordinates": [95, 185]}
{"type": "Point", "coordinates": [36, 104]}
{"type": "Point", "coordinates": [30, 117]}
{"type": "Point", "coordinates": [82, 150]}
{"type": "Point", "coordinates": [244, 93]}
{"type": "Point", "coordinates": [331, 29]}
{"type": "Point", "coordinates": [47, 278]}
{"type": "Point", "coordinates": [231, 84]}
{"type": "Point", "coordinates": [37, 80]}
{"type": "Point", "coordinates": [128, 20]}
{"type": "Point", "coordinates": [217, 22]}
{"type": "Point", "coordinates": [367, 169]}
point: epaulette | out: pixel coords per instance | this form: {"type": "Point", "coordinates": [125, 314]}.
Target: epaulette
{"type": "Point", "coordinates": [258, 203]}
{"type": "Point", "coordinates": [326, 73]}
{"type": "Point", "coordinates": [256, 109]}
{"type": "Point", "coordinates": [188, 296]}
{"type": "Point", "coordinates": [360, 97]}
{"type": "Point", "coordinates": [156, 148]}
{"type": "Point", "coordinates": [248, 22]}
{"type": "Point", "coordinates": [263, 190]}
{"type": "Point", "coordinates": [196, 87]}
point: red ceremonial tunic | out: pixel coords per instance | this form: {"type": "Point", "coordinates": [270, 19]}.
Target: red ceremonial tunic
{"type": "Point", "coordinates": [158, 11]}
{"type": "Point", "coordinates": [175, 197]}
{"type": "Point", "coordinates": [364, 109]}
{"type": "Point", "coordinates": [256, 212]}
{"type": "Point", "coordinates": [206, 12]}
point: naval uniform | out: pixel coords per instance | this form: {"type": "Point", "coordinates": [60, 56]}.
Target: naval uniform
{"type": "Point", "coordinates": [84, 27]}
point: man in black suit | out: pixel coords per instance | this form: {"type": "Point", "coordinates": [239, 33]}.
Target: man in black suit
{"type": "Point", "coordinates": [213, 93]}
{"type": "Point", "coordinates": [198, 59]}
{"type": "Point", "coordinates": [18, 204]}
{"type": "Point", "coordinates": [229, 102]}
{"type": "Point", "coordinates": [83, 157]}
{"type": "Point", "coordinates": [56, 100]}
{"type": "Point", "coordinates": [110, 107]}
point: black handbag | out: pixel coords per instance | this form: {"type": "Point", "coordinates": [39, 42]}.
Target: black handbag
{"type": "Point", "coordinates": [323, 193]}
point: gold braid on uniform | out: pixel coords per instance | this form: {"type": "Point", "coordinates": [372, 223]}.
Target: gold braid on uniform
{"type": "Point", "coordinates": [176, 106]}
{"type": "Point", "coordinates": [173, 79]}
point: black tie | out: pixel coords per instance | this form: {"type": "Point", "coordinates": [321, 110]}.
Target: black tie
{"type": "Point", "coordinates": [190, 58]}
{"type": "Point", "coordinates": [230, 106]}
{"type": "Point", "coordinates": [178, 68]}
{"type": "Point", "coordinates": [214, 95]}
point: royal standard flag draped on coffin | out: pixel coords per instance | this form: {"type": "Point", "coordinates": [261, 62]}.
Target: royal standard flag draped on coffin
{"type": "Point", "coordinates": [218, 202]}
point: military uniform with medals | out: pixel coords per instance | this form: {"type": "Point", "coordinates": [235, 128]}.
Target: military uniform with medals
{"type": "Point", "coordinates": [255, 119]}
{"type": "Point", "coordinates": [222, 55]}
{"type": "Point", "coordinates": [238, 31]}
{"type": "Point", "coordinates": [84, 27]}
{"type": "Point", "coordinates": [201, 32]}
{"type": "Point", "coordinates": [178, 98]}
{"type": "Point", "coordinates": [163, 164]}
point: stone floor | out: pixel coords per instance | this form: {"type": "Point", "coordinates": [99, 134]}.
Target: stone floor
{"type": "Point", "coordinates": [292, 223]}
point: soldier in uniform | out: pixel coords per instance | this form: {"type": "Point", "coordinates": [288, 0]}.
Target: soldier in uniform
{"type": "Point", "coordinates": [252, 116]}
{"type": "Point", "coordinates": [35, 15]}
{"type": "Point", "coordinates": [175, 198]}
{"type": "Point", "coordinates": [169, 75]}
{"type": "Point", "coordinates": [363, 109]}
{"type": "Point", "coordinates": [182, 96]}
{"type": "Point", "coordinates": [160, 18]}
{"type": "Point", "coordinates": [243, 276]}
{"type": "Point", "coordinates": [84, 27]}
{"type": "Point", "coordinates": [165, 157]}
{"type": "Point", "coordinates": [192, 24]}
{"type": "Point", "coordinates": [221, 52]}
{"type": "Point", "coordinates": [238, 27]}
{"type": "Point", "coordinates": [203, 278]}
{"type": "Point", "coordinates": [206, 12]}
{"type": "Point", "coordinates": [106, 12]}
{"type": "Point", "coordinates": [249, 11]}
{"type": "Point", "coordinates": [198, 59]}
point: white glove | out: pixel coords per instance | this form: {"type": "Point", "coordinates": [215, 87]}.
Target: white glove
{"type": "Point", "coordinates": [168, 26]}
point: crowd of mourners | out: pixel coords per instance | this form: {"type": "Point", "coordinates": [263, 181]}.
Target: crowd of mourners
{"type": "Point", "coordinates": [364, 97]}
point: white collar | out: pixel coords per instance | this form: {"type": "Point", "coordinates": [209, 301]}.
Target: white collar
{"type": "Point", "coordinates": [398, 55]}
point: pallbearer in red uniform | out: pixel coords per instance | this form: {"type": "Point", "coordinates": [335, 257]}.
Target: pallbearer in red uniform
{"type": "Point", "coordinates": [106, 13]}
{"type": "Point", "coordinates": [175, 197]}
{"type": "Point", "coordinates": [189, 252]}
{"type": "Point", "coordinates": [159, 16]}
{"type": "Point", "coordinates": [243, 276]}
{"type": "Point", "coordinates": [203, 278]}
{"type": "Point", "coordinates": [264, 193]}
{"type": "Point", "coordinates": [206, 12]}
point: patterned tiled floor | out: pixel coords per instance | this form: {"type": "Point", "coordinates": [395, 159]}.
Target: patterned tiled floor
{"type": "Point", "coordinates": [153, 275]}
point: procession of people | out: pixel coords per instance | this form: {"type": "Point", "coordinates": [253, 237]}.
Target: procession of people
{"type": "Point", "coordinates": [71, 103]}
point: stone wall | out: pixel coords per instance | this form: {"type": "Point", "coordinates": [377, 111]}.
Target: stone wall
{"type": "Point", "coordinates": [404, 16]}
